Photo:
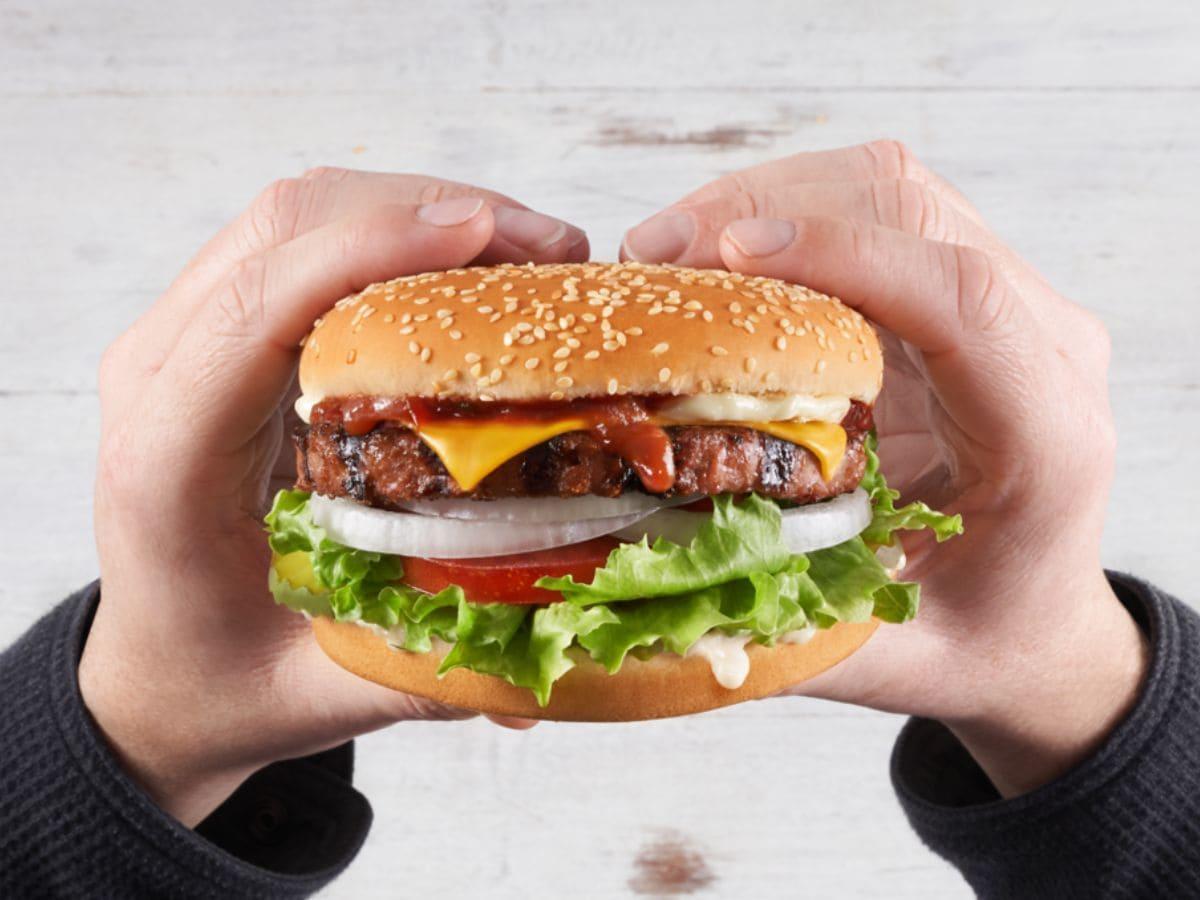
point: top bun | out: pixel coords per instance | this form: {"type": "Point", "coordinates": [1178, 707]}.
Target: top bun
{"type": "Point", "coordinates": [558, 332]}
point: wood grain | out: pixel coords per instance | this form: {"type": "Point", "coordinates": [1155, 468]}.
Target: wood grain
{"type": "Point", "coordinates": [131, 134]}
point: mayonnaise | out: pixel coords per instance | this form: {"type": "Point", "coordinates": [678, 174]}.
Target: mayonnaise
{"type": "Point", "coordinates": [725, 407]}
{"type": "Point", "coordinates": [726, 655]}
{"type": "Point", "coordinates": [304, 405]}
{"type": "Point", "coordinates": [891, 558]}
{"type": "Point", "coordinates": [749, 408]}
{"type": "Point", "coordinates": [799, 636]}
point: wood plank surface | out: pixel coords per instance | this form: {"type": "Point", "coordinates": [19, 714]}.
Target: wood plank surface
{"type": "Point", "coordinates": [130, 134]}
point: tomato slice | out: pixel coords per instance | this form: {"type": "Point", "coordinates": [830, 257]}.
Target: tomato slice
{"type": "Point", "coordinates": [510, 579]}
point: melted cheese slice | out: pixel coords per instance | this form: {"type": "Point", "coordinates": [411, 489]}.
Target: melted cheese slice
{"type": "Point", "coordinates": [825, 440]}
{"type": "Point", "coordinates": [471, 451]}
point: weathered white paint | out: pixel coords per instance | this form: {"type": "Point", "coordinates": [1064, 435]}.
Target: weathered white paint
{"type": "Point", "coordinates": [128, 136]}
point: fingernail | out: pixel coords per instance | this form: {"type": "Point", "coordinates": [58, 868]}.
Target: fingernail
{"type": "Point", "coordinates": [662, 238]}
{"type": "Point", "coordinates": [527, 229]}
{"type": "Point", "coordinates": [760, 237]}
{"type": "Point", "coordinates": [448, 213]}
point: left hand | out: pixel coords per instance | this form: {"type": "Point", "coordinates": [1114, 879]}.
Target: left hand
{"type": "Point", "coordinates": [194, 676]}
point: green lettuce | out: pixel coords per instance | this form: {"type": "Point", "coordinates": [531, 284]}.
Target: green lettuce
{"type": "Point", "coordinates": [736, 575]}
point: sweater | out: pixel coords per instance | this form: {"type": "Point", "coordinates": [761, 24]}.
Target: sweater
{"type": "Point", "coordinates": [1124, 823]}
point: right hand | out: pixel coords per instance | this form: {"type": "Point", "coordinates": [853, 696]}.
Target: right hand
{"type": "Point", "coordinates": [995, 405]}
{"type": "Point", "coordinates": [193, 674]}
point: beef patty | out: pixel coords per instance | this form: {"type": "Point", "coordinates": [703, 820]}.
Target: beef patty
{"type": "Point", "coordinates": [390, 464]}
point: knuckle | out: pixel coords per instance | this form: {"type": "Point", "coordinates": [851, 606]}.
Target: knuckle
{"type": "Point", "coordinates": [893, 158]}
{"type": "Point", "coordinates": [241, 301]}
{"type": "Point", "coordinates": [324, 173]}
{"type": "Point", "coordinates": [274, 216]}
{"type": "Point", "coordinates": [917, 211]}
{"type": "Point", "coordinates": [985, 303]}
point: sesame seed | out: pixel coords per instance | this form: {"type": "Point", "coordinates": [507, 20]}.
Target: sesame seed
{"type": "Point", "coordinates": [660, 348]}
{"type": "Point", "coordinates": [718, 350]}
{"type": "Point", "coordinates": [351, 357]}
{"type": "Point", "coordinates": [507, 359]}
{"type": "Point", "coordinates": [426, 354]}
{"type": "Point", "coordinates": [610, 345]}
{"type": "Point", "coordinates": [477, 370]}
{"type": "Point", "coordinates": [562, 353]}
{"type": "Point", "coordinates": [750, 364]}
{"type": "Point", "coordinates": [592, 354]}
{"type": "Point", "coordinates": [496, 375]}
{"type": "Point", "coordinates": [613, 385]}
{"type": "Point", "coordinates": [408, 329]}
{"type": "Point", "coordinates": [389, 318]}
{"type": "Point", "coordinates": [561, 366]}
{"type": "Point", "coordinates": [557, 395]}
{"type": "Point", "coordinates": [664, 375]}
{"type": "Point", "coordinates": [532, 363]}
{"type": "Point", "coordinates": [565, 381]}
{"type": "Point", "coordinates": [456, 335]}
{"type": "Point", "coordinates": [781, 343]}
{"type": "Point", "coordinates": [472, 357]}
{"type": "Point", "coordinates": [414, 347]}
{"type": "Point", "coordinates": [450, 375]}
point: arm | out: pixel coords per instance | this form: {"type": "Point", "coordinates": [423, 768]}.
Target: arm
{"type": "Point", "coordinates": [168, 700]}
{"type": "Point", "coordinates": [994, 406]}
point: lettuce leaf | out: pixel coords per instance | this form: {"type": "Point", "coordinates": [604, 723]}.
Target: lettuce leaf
{"type": "Point", "coordinates": [736, 575]}
{"type": "Point", "coordinates": [888, 519]}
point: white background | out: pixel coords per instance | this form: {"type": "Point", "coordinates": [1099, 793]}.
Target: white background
{"type": "Point", "coordinates": [129, 136]}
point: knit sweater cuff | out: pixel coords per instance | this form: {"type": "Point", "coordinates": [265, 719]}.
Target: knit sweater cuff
{"type": "Point", "coordinates": [72, 817]}
{"type": "Point", "coordinates": [1119, 824]}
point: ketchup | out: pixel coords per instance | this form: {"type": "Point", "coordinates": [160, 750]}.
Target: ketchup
{"type": "Point", "coordinates": [620, 425]}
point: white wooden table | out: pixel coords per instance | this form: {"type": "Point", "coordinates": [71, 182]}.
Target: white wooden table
{"type": "Point", "coordinates": [127, 137]}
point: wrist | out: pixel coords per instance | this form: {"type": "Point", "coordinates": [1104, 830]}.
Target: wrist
{"type": "Point", "coordinates": [171, 761]}
{"type": "Point", "coordinates": [1053, 702]}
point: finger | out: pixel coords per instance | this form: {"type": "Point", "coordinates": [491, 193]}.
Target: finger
{"type": "Point", "coordinates": [513, 722]}
{"type": "Point", "coordinates": [877, 160]}
{"type": "Point", "coordinates": [897, 203]}
{"type": "Point", "coordinates": [235, 361]}
{"type": "Point", "coordinates": [292, 207]}
{"type": "Point", "coordinates": [978, 342]}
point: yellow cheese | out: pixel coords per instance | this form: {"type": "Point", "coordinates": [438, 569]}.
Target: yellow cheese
{"type": "Point", "coordinates": [471, 451]}
{"type": "Point", "coordinates": [826, 441]}
{"type": "Point", "coordinates": [296, 570]}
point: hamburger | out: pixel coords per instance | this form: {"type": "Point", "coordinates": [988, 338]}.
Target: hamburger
{"type": "Point", "coordinates": [594, 492]}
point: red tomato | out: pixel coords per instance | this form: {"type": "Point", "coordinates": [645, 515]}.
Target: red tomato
{"type": "Point", "coordinates": [510, 579]}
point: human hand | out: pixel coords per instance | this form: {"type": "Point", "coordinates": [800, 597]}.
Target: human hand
{"type": "Point", "coordinates": [192, 673]}
{"type": "Point", "coordinates": [994, 406]}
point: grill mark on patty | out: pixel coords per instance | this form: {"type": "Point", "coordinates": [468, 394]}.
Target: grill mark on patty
{"type": "Point", "coordinates": [779, 459]}
{"type": "Point", "coordinates": [390, 465]}
{"type": "Point", "coordinates": [348, 449]}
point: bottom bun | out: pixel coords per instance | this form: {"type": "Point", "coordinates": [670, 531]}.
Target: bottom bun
{"type": "Point", "coordinates": [662, 686]}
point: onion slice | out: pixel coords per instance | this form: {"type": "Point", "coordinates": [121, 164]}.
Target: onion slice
{"type": "Point", "coordinates": [543, 509]}
{"type": "Point", "coordinates": [805, 528]}
{"type": "Point", "coordinates": [406, 534]}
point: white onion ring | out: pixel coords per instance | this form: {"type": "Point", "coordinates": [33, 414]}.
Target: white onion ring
{"type": "Point", "coordinates": [805, 528]}
{"type": "Point", "coordinates": [406, 534]}
{"type": "Point", "coordinates": [543, 509]}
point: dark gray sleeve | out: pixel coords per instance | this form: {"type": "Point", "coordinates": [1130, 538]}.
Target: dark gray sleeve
{"type": "Point", "coordinates": [1124, 823]}
{"type": "Point", "coordinates": [73, 825]}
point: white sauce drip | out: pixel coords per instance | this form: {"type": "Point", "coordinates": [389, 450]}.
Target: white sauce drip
{"type": "Point", "coordinates": [799, 636]}
{"type": "Point", "coordinates": [395, 636]}
{"type": "Point", "coordinates": [715, 408]}
{"type": "Point", "coordinates": [304, 405]}
{"type": "Point", "coordinates": [750, 408]}
{"type": "Point", "coordinates": [726, 655]}
{"type": "Point", "coordinates": [891, 558]}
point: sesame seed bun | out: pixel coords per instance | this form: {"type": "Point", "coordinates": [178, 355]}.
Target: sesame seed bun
{"type": "Point", "coordinates": [664, 685]}
{"type": "Point", "coordinates": [559, 332]}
